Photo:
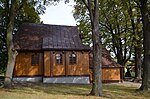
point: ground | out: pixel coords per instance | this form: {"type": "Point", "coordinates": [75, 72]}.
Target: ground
{"type": "Point", "coordinates": [126, 90]}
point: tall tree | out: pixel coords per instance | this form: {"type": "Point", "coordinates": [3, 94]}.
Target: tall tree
{"type": "Point", "coordinates": [143, 4]}
{"type": "Point", "coordinates": [136, 32]}
{"type": "Point", "coordinates": [10, 46]}
{"type": "Point", "coordinates": [28, 13]}
{"type": "Point", "coordinates": [120, 26]}
{"type": "Point", "coordinates": [113, 26]}
{"type": "Point", "coordinates": [93, 11]}
{"type": "Point", "coordinates": [18, 10]}
{"type": "Point", "coordinates": [137, 38]}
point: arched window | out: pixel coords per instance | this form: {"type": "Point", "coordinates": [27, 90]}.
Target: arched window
{"type": "Point", "coordinates": [35, 59]}
{"type": "Point", "coordinates": [73, 58]}
{"type": "Point", "coordinates": [59, 58]}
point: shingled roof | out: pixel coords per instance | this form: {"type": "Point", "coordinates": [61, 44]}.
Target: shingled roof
{"type": "Point", "coordinates": [48, 37]}
{"type": "Point", "coordinates": [107, 60]}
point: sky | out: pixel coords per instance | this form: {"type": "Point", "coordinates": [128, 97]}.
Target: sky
{"type": "Point", "coordinates": [60, 14]}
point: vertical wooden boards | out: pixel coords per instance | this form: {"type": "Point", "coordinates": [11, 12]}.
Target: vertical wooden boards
{"type": "Point", "coordinates": [24, 66]}
{"type": "Point", "coordinates": [58, 69]}
{"type": "Point", "coordinates": [46, 63]}
{"type": "Point", "coordinates": [41, 64]}
{"type": "Point", "coordinates": [82, 65]}
{"type": "Point", "coordinates": [66, 69]}
{"type": "Point", "coordinates": [111, 74]}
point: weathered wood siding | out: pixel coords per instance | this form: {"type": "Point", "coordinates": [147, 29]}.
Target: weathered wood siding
{"type": "Point", "coordinates": [82, 66]}
{"type": "Point", "coordinates": [58, 69]}
{"type": "Point", "coordinates": [48, 66]}
{"type": "Point", "coordinates": [24, 66]}
{"type": "Point", "coordinates": [109, 74]}
{"type": "Point", "coordinates": [46, 63]}
{"type": "Point", "coordinates": [66, 69]}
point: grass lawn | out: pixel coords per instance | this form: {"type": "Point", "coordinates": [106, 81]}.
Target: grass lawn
{"type": "Point", "coordinates": [59, 91]}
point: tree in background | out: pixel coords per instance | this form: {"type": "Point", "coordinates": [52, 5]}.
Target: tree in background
{"type": "Point", "coordinates": [10, 46]}
{"type": "Point", "coordinates": [93, 12]}
{"type": "Point", "coordinates": [135, 29]}
{"type": "Point", "coordinates": [15, 13]}
{"type": "Point", "coordinates": [27, 13]}
{"type": "Point", "coordinates": [144, 8]}
{"type": "Point", "coordinates": [120, 27]}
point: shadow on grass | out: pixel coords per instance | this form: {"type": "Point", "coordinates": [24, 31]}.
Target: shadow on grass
{"type": "Point", "coordinates": [109, 91]}
{"type": "Point", "coordinates": [54, 89]}
{"type": "Point", "coordinates": [119, 88]}
{"type": "Point", "coordinates": [113, 91]}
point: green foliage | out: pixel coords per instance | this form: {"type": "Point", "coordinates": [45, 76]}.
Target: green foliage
{"type": "Point", "coordinates": [3, 56]}
{"type": "Point", "coordinates": [83, 21]}
{"type": "Point", "coordinates": [29, 12]}
{"type": "Point", "coordinates": [116, 26]}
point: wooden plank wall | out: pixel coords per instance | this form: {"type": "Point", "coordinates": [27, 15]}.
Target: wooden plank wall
{"type": "Point", "coordinates": [66, 69]}
{"type": "Point", "coordinates": [58, 69]}
{"type": "Point", "coordinates": [109, 74]}
{"type": "Point", "coordinates": [46, 63]}
{"type": "Point", "coordinates": [23, 66]}
{"type": "Point", "coordinates": [82, 66]}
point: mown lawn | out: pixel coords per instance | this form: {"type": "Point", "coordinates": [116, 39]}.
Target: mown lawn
{"type": "Point", "coordinates": [59, 91]}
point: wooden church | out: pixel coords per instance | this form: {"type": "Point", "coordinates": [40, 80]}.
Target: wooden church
{"type": "Point", "coordinates": [52, 54]}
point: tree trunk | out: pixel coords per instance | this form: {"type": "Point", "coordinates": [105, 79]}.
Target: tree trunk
{"type": "Point", "coordinates": [97, 72]}
{"type": "Point", "coordinates": [120, 59]}
{"type": "Point", "coordinates": [146, 34]}
{"type": "Point", "coordinates": [138, 63]}
{"type": "Point", "coordinates": [137, 49]}
{"type": "Point", "coordinates": [10, 47]}
{"type": "Point", "coordinates": [93, 8]}
{"type": "Point", "coordinates": [146, 65]}
{"type": "Point", "coordinates": [97, 52]}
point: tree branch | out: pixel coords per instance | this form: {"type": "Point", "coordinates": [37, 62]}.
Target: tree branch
{"type": "Point", "coordinates": [21, 6]}
{"type": "Point", "coordinates": [88, 4]}
{"type": "Point", "coordinates": [85, 3]}
{"type": "Point", "coordinates": [129, 54]}
{"type": "Point", "coordinates": [104, 25]}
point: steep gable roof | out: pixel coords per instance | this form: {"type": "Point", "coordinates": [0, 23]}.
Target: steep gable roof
{"type": "Point", "coordinates": [48, 37]}
{"type": "Point", "coordinates": [107, 60]}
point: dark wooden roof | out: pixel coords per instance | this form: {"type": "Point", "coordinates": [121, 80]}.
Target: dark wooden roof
{"type": "Point", "coordinates": [107, 60]}
{"type": "Point", "coordinates": [48, 37]}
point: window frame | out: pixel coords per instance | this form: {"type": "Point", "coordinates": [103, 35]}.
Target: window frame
{"type": "Point", "coordinates": [72, 59]}
{"type": "Point", "coordinates": [60, 60]}
{"type": "Point", "coordinates": [35, 58]}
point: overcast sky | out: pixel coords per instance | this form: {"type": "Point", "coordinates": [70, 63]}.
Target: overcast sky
{"type": "Point", "coordinates": [61, 14]}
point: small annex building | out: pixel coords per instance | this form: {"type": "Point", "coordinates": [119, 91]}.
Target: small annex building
{"type": "Point", "coordinates": [111, 71]}
{"type": "Point", "coordinates": [54, 54]}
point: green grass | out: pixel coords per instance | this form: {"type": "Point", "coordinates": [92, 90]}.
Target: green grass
{"type": "Point", "coordinates": [59, 91]}
{"type": "Point", "coordinates": [124, 92]}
